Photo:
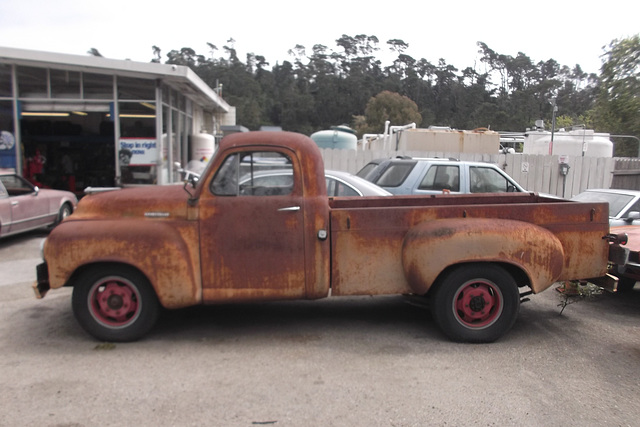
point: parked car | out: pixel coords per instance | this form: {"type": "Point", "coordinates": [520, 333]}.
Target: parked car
{"type": "Point", "coordinates": [339, 184]}
{"type": "Point", "coordinates": [627, 265]}
{"type": "Point", "coordinates": [25, 207]}
{"type": "Point", "coordinates": [624, 205]}
{"type": "Point", "coordinates": [407, 175]}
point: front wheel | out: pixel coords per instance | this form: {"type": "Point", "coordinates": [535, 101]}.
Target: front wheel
{"type": "Point", "coordinates": [476, 303]}
{"type": "Point", "coordinates": [114, 303]}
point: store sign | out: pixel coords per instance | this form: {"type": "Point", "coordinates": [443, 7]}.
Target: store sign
{"type": "Point", "coordinates": [7, 150]}
{"type": "Point", "coordinates": [138, 152]}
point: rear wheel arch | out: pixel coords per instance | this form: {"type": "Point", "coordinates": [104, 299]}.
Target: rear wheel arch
{"type": "Point", "coordinates": [520, 276]}
{"type": "Point", "coordinates": [533, 255]}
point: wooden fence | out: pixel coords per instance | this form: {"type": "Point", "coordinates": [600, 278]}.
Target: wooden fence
{"type": "Point", "coordinates": [534, 172]}
{"type": "Point", "coordinates": [626, 174]}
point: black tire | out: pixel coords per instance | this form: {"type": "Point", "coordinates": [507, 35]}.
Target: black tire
{"type": "Point", "coordinates": [476, 303]}
{"type": "Point", "coordinates": [626, 284]}
{"type": "Point", "coordinates": [114, 303]}
{"type": "Point", "coordinates": [65, 211]}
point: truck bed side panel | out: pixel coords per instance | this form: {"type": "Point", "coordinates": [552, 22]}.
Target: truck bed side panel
{"type": "Point", "coordinates": [367, 238]}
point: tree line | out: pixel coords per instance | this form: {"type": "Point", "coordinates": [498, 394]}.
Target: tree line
{"type": "Point", "coordinates": [346, 84]}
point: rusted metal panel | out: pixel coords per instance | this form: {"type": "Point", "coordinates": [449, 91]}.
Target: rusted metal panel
{"type": "Point", "coordinates": [262, 248]}
{"type": "Point", "coordinates": [167, 201]}
{"type": "Point", "coordinates": [368, 237]}
{"type": "Point", "coordinates": [431, 246]}
{"type": "Point", "coordinates": [164, 250]}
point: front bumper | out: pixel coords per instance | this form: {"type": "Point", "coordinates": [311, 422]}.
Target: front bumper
{"type": "Point", "coordinates": [41, 286]}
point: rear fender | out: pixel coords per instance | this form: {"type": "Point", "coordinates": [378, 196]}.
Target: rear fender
{"type": "Point", "coordinates": [165, 252]}
{"type": "Point", "coordinates": [431, 247]}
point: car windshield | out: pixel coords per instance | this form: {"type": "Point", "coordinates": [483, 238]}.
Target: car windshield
{"type": "Point", "coordinates": [366, 170]}
{"type": "Point", "coordinates": [395, 174]}
{"type": "Point", "coordinates": [616, 201]}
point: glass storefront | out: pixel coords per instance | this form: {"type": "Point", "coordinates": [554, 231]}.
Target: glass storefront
{"type": "Point", "coordinates": [76, 131]}
{"type": "Point", "coordinates": [8, 149]}
{"type": "Point", "coordinates": [138, 146]}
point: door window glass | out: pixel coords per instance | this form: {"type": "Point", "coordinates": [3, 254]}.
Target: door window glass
{"type": "Point", "coordinates": [254, 174]}
{"type": "Point", "coordinates": [441, 177]}
{"type": "Point", "coordinates": [488, 180]}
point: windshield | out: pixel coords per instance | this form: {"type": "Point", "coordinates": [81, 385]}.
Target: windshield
{"type": "Point", "coordinates": [617, 202]}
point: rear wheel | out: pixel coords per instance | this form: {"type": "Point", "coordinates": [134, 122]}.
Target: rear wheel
{"type": "Point", "coordinates": [114, 303]}
{"type": "Point", "coordinates": [476, 303]}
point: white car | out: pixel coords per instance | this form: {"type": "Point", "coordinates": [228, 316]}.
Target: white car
{"type": "Point", "coordinates": [407, 175]}
{"type": "Point", "coordinates": [624, 205]}
{"type": "Point", "coordinates": [339, 184]}
{"type": "Point", "coordinates": [25, 207]}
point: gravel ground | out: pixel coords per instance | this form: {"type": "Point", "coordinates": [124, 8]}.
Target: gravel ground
{"type": "Point", "coordinates": [337, 362]}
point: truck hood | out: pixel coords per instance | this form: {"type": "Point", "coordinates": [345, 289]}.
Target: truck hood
{"type": "Point", "coordinates": [165, 201]}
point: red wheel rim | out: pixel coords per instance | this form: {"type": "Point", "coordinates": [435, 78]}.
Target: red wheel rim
{"type": "Point", "coordinates": [478, 304]}
{"type": "Point", "coordinates": [114, 302]}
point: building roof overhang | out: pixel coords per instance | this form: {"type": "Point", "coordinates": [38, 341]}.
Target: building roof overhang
{"type": "Point", "coordinates": [179, 77]}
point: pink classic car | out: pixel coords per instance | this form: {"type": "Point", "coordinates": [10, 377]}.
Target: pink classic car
{"type": "Point", "coordinates": [25, 207]}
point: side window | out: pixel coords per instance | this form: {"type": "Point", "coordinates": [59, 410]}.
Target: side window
{"type": "Point", "coordinates": [339, 189]}
{"type": "Point", "coordinates": [488, 180]}
{"type": "Point", "coordinates": [635, 207]}
{"type": "Point", "coordinates": [441, 177]}
{"type": "Point", "coordinates": [395, 174]}
{"type": "Point", "coordinates": [254, 174]}
{"type": "Point", "coordinates": [225, 183]}
{"type": "Point", "coordinates": [16, 186]}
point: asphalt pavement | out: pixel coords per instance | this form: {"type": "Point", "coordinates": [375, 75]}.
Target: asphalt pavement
{"type": "Point", "coordinates": [337, 362]}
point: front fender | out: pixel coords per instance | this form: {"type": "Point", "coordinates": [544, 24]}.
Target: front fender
{"type": "Point", "coordinates": [166, 252]}
{"type": "Point", "coordinates": [430, 247]}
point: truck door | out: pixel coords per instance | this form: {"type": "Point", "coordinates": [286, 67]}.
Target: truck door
{"type": "Point", "coordinates": [252, 228]}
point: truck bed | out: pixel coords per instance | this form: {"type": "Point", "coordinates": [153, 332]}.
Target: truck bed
{"type": "Point", "coordinates": [368, 235]}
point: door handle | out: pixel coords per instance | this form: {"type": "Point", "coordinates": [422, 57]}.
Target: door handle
{"type": "Point", "coordinates": [289, 209]}
{"type": "Point", "coordinates": [15, 203]}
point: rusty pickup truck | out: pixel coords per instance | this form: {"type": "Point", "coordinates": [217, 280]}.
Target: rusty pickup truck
{"type": "Point", "coordinates": [229, 239]}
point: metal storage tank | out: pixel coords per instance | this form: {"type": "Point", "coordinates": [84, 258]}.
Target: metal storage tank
{"type": "Point", "coordinates": [202, 147]}
{"type": "Point", "coordinates": [577, 143]}
{"type": "Point", "coordinates": [341, 137]}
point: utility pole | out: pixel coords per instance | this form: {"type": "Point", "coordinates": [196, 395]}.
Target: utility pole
{"type": "Point", "coordinates": [553, 123]}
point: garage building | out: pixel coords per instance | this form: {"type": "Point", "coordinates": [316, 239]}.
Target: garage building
{"type": "Point", "coordinates": [71, 122]}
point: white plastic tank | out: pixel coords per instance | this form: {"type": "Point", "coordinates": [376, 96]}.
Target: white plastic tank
{"type": "Point", "coordinates": [577, 143]}
{"type": "Point", "coordinates": [203, 146]}
{"type": "Point", "coordinates": [341, 137]}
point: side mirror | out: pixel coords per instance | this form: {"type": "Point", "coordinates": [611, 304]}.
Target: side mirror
{"type": "Point", "coordinates": [36, 190]}
{"type": "Point", "coordinates": [193, 179]}
{"type": "Point", "coordinates": [631, 216]}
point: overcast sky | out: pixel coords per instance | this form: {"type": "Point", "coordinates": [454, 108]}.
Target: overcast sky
{"type": "Point", "coordinates": [570, 32]}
